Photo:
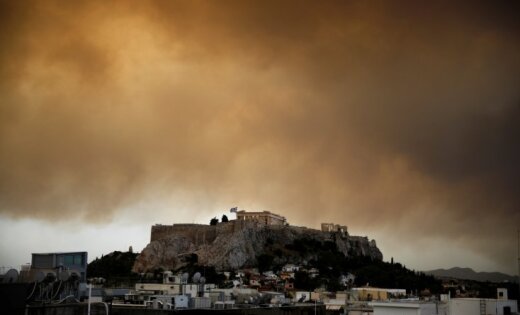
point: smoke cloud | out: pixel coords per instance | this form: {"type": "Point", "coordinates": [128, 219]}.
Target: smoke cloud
{"type": "Point", "coordinates": [400, 117]}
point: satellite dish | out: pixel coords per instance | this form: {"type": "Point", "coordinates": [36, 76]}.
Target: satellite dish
{"type": "Point", "coordinates": [50, 277]}
{"type": "Point", "coordinates": [185, 277]}
{"type": "Point", "coordinates": [202, 280]}
{"type": "Point", "coordinates": [64, 275]}
{"type": "Point", "coordinates": [38, 276]}
{"type": "Point", "coordinates": [74, 275]}
{"type": "Point", "coordinates": [196, 277]}
{"type": "Point", "coordinates": [11, 276]}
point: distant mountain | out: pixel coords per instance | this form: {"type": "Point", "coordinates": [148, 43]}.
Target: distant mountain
{"type": "Point", "coordinates": [470, 274]}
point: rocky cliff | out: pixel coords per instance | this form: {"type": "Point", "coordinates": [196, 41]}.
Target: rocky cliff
{"type": "Point", "coordinates": [236, 244]}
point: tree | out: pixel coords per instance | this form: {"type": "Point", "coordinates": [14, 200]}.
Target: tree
{"type": "Point", "coordinates": [115, 267]}
{"type": "Point", "coordinates": [303, 281]}
{"type": "Point", "coordinates": [265, 262]}
{"type": "Point", "coordinates": [213, 221]}
{"type": "Point", "coordinates": [224, 218]}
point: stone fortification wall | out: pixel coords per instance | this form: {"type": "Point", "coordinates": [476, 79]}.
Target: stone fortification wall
{"type": "Point", "coordinates": [198, 234]}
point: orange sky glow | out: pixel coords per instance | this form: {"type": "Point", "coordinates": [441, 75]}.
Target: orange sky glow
{"type": "Point", "coordinates": [398, 119]}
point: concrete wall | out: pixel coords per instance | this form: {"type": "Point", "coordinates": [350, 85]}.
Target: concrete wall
{"type": "Point", "coordinates": [404, 308]}
{"type": "Point", "coordinates": [428, 309]}
{"type": "Point", "coordinates": [464, 306]}
{"type": "Point", "coordinates": [461, 306]}
{"type": "Point", "coordinates": [395, 308]}
{"type": "Point", "coordinates": [370, 294]}
{"type": "Point", "coordinates": [291, 310]}
{"type": "Point", "coordinates": [396, 311]}
{"type": "Point", "coordinates": [67, 309]}
{"type": "Point", "coordinates": [99, 309]}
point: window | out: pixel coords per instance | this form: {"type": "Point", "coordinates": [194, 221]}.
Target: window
{"type": "Point", "coordinates": [68, 260]}
{"type": "Point", "coordinates": [78, 260]}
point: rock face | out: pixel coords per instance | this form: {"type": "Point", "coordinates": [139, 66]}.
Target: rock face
{"type": "Point", "coordinates": [236, 244]}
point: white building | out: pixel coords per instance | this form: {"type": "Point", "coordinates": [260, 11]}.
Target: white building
{"type": "Point", "coordinates": [470, 306]}
{"type": "Point", "coordinates": [290, 268]}
{"type": "Point", "coordinates": [457, 306]}
{"type": "Point", "coordinates": [405, 308]}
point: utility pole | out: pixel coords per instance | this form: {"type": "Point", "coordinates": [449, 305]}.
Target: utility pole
{"type": "Point", "coordinates": [89, 297]}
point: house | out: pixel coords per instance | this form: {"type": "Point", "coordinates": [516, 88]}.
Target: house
{"type": "Point", "coordinates": [286, 275]}
{"type": "Point", "coordinates": [290, 268]}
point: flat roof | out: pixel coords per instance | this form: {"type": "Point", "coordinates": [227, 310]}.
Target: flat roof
{"type": "Point", "coordinates": [400, 304]}
{"type": "Point", "coordinates": [377, 289]}
{"type": "Point", "coordinates": [60, 253]}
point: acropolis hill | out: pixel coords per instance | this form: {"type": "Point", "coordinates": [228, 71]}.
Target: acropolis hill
{"type": "Point", "coordinates": [237, 243]}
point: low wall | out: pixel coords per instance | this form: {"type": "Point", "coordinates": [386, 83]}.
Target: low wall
{"type": "Point", "coordinates": [68, 309]}
{"type": "Point", "coordinates": [288, 310]}
{"type": "Point", "coordinates": [100, 309]}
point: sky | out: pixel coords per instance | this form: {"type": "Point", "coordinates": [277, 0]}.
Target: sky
{"type": "Point", "coordinates": [399, 119]}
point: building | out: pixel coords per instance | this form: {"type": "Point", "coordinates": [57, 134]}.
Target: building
{"type": "Point", "coordinates": [447, 306]}
{"type": "Point", "coordinates": [376, 294]}
{"type": "Point", "coordinates": [290, 268]}
{"type": "Point", "coordinates": [405, 308]}
{"type": "Point", "coordinates": [468, 306]}
{"type": "Point", "coordinates": [331, 227]}
{"type": "Point", "coordinates": [265, 217]}
{"type": "Point", "coordinates": [61, 262]}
